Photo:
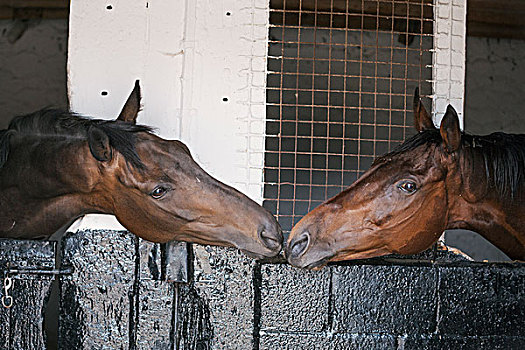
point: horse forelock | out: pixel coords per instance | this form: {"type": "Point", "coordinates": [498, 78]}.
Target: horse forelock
{"type": "Point", "coordinates": [54, 122]}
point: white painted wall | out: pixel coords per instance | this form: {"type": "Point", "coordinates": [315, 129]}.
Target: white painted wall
{"type": "Point", "coordinates": [32, 68]}
{"type": "Point", "coordinates": [449, 57]}
{"type": "Point", "coordinates": [190, 55]}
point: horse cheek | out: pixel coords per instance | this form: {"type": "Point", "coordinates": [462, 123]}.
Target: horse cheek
{"type": "Point", "coordinates": [425, 226]}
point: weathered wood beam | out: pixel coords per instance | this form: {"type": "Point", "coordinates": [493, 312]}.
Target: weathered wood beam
{"type": "Point", "coordinates": [415, 9]}
{"type": "Point", "coordinates": [33, 9]}
{"type": "Point", "coordinates": [48, 4]}
{"type": "Point", "coordinates": [400, 17]}
{"type": "Point", "coordinates": [497, 19]}
{"type": "Point", "coordinates": [486, 18]}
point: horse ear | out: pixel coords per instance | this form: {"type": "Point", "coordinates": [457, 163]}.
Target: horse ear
{"type": "Point", "coordinates": [450, 131]}
{"type": "Point", "coordinates": [132, 106]}
{"type": "Point", "coordinates": [99, 145]}
{"type": "Point", "coordinates": [422, 119]}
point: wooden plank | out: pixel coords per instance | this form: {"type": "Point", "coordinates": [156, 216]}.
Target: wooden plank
{"type": "Point", "coordinates": [35, 3]}
{"type": "Point", "coordinates": [498, 19]}
{"type": "Point", "coordinates": [33, 13]}
{"type": "Point", "coordinates": [34, 9]}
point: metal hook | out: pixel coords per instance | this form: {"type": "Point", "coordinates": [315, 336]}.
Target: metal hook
{"type": "Point", "coordinates": [7, 300]}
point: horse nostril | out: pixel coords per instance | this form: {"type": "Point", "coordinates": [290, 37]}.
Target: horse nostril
{"type": "Point", "coordinates": [271, 239]}
{"type": "Point", "coordinates": [299, 245]}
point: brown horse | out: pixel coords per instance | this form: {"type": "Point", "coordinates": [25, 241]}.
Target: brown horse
{"type": "Point", "coordinates": [56, 166]}
{"type": "Point", "coordinates": [436, 180]}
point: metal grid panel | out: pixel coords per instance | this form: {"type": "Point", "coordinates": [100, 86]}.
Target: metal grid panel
{"type": "Point", "coordinates": [341, 76]}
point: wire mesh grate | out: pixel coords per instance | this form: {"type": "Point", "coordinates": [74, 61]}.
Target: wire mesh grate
{"type": "Point", "coordinates": [341, 77]}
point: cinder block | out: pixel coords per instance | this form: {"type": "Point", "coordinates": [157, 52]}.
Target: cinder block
{"type": "Point", "coordinates": [257, 127]}
{"type": "Point", "coordinates": [443, 12]}
{"type": "Point", "coordinates": [442, 56]}
{"type": "Point", "coordinates": [258, 63]}
{"type": "Point", "coordinates": [257, 159]}
{"type": "Point", "coordinates": [257, 111]}
{"type": "Point", "coordinates": [458, 28]}
{"type": "Point", "coordinates": [442, 74]}
{"type": "Point", "coordinates": [482, 300]}
{"type": "Point", "coordinates": [385, 299]}
{"type": "Point", "coordinates": [443, 27]}
{"type": "Point", "coordinates": [458, 60]}
{"type": "Point", "coordinates": [270, 341]}
{"type": "Point", "coordinates": [293, 299]}
{"type": "Point", "coordinates": [224, 281]}
{"type": "Point", "coordinates": [256, 143]}
{"type": "Point", "coordinates": [435, 342]}
{"type": "Point", "coordinates": [458, 43]}
{"type": "Point", "coordinates": [441, 103]}
{"type": "Point", "coordinates": [441, 254]}
{"type": "Point", "coordinates": [457, 74]}
{"type": "Point", "coordinates": [458, 13]}
{"type": "Point", "coordinates": [456, 89]}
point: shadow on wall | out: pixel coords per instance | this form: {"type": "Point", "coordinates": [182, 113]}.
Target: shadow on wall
{"type": "Point", "coordinates": [32, 67]}
{"type": "Point", "coordinates": [475, 246]}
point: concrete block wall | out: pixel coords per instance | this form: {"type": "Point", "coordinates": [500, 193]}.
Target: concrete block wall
{"type": "Point", "coordinates": [422, 302]}
{"type": "Point", "coordinates": [449, 57]}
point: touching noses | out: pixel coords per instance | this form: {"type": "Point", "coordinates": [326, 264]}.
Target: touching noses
{"type": "Point", "coordinates": [271, 235]}
{"type": "Point", "coordinates": [298, 246]}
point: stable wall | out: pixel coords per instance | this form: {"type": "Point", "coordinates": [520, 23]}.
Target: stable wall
{"type": "Point", "coordinates": [114, 296]}
{"type": "Point", "coordinates": [435, 300]}
{"type": "Point", "coordinates": [33, 75]}
{"type": "Point", "coordinates": [32, 67]}
{"type": "Point", "coordinates": [495, 86]}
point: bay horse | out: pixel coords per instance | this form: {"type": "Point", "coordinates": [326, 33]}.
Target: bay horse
{"type": "Point", "coordinates": [436, 180]}
{"type": "Point", "coordinates": [57, 166]}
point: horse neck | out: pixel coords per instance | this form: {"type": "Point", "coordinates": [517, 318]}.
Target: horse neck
{"type": "Point", "coordinates": [475, 206]}
{"type": "Point", "coordinates": [44, 186]}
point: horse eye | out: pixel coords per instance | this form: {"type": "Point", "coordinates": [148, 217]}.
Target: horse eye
{"type": "Point", "coordinates": [158, 192]}
{"type": "Point", "coordinates": [407, 186]}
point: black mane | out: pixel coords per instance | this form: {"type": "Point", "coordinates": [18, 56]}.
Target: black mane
{"type": "Point", "coordinates": [503, 157]}
{"type": "Point", "coordinates": [504, 160]}
{"type": "Point", "coordinates": [53, 122]}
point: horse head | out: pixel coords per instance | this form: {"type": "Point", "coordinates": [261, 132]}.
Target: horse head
{"type": "Point", "coordinates": [402, 204]}
{"type": "Point", "coordinates": [153, 186]}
